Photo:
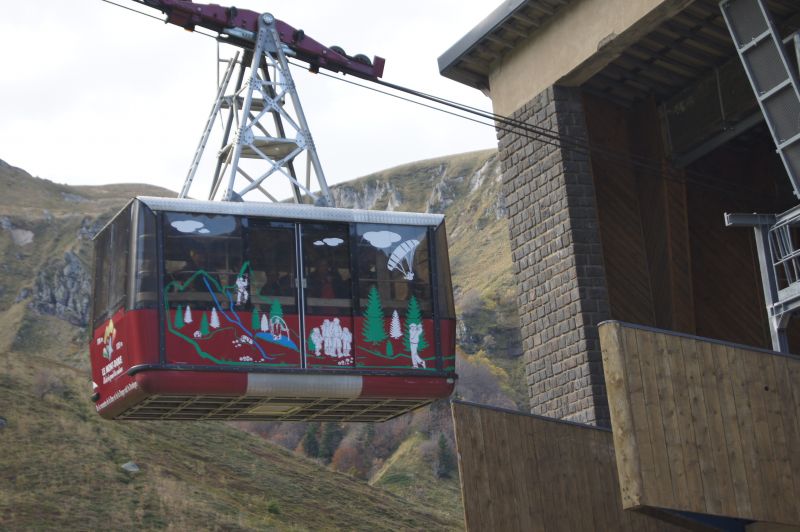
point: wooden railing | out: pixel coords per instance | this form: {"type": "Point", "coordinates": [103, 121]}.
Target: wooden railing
{"type": "Point", "coordinates": [703, 426]}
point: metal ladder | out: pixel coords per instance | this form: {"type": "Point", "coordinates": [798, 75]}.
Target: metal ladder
{"type": "Point", "coordinates": [263, 92]}
{"type": "Point", "coordinates": [774, 82]}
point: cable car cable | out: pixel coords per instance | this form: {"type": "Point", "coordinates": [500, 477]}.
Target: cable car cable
{"type": "Point", "coordinates": [553, 138]}
{"type": "Point", "coordinates": [155, 17]}
{"type": "Point", "coordinates": [536, 133]}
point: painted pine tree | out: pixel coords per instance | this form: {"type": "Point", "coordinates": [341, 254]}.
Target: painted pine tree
{"type": "Point", "coordinates": [204, 325]}
{"type": "Point", "coordinates": [214, 319]}
{"type": "Point", "coordinates": [255, 320]}
{"type": "Point", "coordinates": [312, 347]}
{"type": "Point", "coordinates": [187, 316]}
{"type": "Point", "coordinates": [264, 323]}
{"type": "Point", "coordinates": [179, 323]}
{"type": "Point", "coordinates": [374, 331]}
{"type": "Point", "coordinates": [395, 331]}
{"type": "Point", "coordinates": [275, 310]}
{"type": "Point", "coordinates": [414, 315]}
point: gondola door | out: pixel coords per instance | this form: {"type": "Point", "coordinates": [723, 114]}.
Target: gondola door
{"type": "Point", "coordinates": [275, 312]}
{"type": "Point", "coordinates": [328, 300]}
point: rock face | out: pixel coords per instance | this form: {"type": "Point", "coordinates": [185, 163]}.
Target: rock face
{"type": "Point", "coordinates": [62, 288]}
{"type": "Point", "coordinates": [367, 196]}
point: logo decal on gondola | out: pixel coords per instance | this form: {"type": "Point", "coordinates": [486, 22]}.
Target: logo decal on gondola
{"type": "Point", "coordinates": [109, 336]}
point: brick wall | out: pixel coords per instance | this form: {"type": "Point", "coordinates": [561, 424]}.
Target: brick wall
{"type": "Point", "coordinates": [558, 260]}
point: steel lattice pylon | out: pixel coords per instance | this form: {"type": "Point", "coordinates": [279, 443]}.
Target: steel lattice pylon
{"type": "Point", "coordinates": [265, 130]}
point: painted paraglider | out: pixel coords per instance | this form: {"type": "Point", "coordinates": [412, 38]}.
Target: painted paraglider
{"type": "Point", "coordinates": [402, 258]}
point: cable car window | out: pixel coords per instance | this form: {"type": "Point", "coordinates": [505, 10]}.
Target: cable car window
{"type": "Point", "coordinates": [102, 264]}
{"type": "Point", "coordinates": [271, 251]}
{"type": "Point", "coordinates": [394, 260]}
{"type": "Point", "coordinates": [445, 296]}
{"type": "Point", "coordinates": [111, 267]}
{"type": "Point", "coordinates": [146, 267]}
{"type": "Point", "coordinates": [118, 274]}
{"type": "Point", "coordinates": [326, 268]}
{"type": "Point", "coordinates": [202, 259]}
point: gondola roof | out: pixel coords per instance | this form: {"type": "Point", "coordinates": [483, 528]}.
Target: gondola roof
{"type": "Point", "coordinates": [291, 211]}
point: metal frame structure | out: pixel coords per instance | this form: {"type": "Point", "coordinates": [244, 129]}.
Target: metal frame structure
{"type": "Point", "coordinates": [762, 53]}
{"type": "Point", "coordinates": [263, 121]}
{"type": "Point", "coordinates": [775, 85]}
{"type": "Point", "coordinates": [778, 247]}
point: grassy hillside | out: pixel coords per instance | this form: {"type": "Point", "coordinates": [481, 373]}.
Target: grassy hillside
{"type": "Point", "coordinates": [61, 468]}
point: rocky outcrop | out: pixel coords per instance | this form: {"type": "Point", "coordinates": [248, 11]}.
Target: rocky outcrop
{"type": "Point", "coordinates": [62, 288]}
{"type": "Point", "coordinates": [90, 227]}
{"type": "Point", "coordinates": [367, 195]}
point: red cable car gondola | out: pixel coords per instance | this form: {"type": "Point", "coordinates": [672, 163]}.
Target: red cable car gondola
{"type": "Point", "coordinates": [263, 311]}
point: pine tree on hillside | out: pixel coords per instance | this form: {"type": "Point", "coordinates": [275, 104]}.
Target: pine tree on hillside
{"type": "Point", "coordinates": [331, 437]}
{"type": "Point", "coordinates": [374, 331]}
{"type": "Point", "coordinates": [255, 320]}
{"type": "Point", "coordinates": [445, 462]}
{"type": "Point", "coordinates": [310, 442]}
{"type": "Point", "coordinates": [414, 315]}
{"type": "Point", "coordinates": [187, 316]}
{"type": "Point", "coordinates": [179, 318]}
{"type": "Point", "coordinates": [214, 319]}
{"type": "Point", "coordinates": [264, 323]}
{"type": "Point", "coordinates": [204, 325]}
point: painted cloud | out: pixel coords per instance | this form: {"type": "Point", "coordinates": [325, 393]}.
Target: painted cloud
{"type": "Point", "coordinates": [381, 239]}
{"type": "Point", "coordinates": [189, 226]}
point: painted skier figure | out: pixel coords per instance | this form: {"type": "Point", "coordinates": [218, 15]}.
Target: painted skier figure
{"type": "Point", "coordinates": [241, 290]}
{"type": "Point", "coordinates": [414, 332]}
{"type": "Point", "coordinates": [347, 342]}
{"type": "Point", "coordinates": [316, 339]}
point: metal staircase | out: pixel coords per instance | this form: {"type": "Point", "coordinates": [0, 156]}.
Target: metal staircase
{"type": "Point", "coordinates": [774, 81]}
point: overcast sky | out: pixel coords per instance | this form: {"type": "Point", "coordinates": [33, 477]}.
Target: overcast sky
{"type": "Point", "coordinates": [94, 94]}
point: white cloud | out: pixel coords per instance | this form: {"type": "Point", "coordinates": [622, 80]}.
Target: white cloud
{"type": "Point", "coordinates": [381, 239]}
{"type": "Point", "coordinates": [189, 226]}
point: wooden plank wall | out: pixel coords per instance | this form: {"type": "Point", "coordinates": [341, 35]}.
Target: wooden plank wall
{"type": "Point", "coordinates": [530, 473]}
{"type": "Point", "coordinates": [703, 426]}
{"type": "Point", "coordinates": [669, 260]}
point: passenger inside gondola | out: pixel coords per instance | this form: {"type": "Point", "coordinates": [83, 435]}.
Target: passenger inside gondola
{"type": "Point", "coordinates": [190, 272]}
{"type": "Point", "coordinates": [325, 282]}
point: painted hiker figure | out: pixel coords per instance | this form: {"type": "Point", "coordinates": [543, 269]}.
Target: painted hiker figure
{"type": "Point", "coordinates": [336, 337]}
{"type": "Point", "coordinates": [327, 341]}
{"type": "Point", "coordinates": [242, 293]}
{"type": "Point", "coordinates": [414, 332]}
{"type": "Point", "coordinates": [347, 342]}
{"type": "Point", "coordinates": [316, 339]}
